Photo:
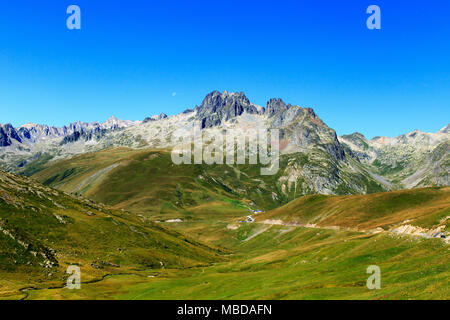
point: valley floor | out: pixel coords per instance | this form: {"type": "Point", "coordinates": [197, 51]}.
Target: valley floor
{"type": "Point", "coordinates": [208, 251]}
{"type": "Point", "coordinates": [290, 263]}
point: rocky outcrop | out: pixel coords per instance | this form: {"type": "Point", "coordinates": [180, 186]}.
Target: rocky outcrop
{"type": "Point", "coordinates": [155, 117]}
{"type": "Point", "coordinates": [358, 140]}
{"type": "Point", "coordinates": [7, 134]}
{"type": "Point", "coordinates": [218, 107]}
{"type": "Point", "coordinates": [33, 133]}
{"type": "Point", "coordinates": [87, 135]}
{"type": "Point", "coordinates": [415, 159]}
{"type": "Point", "coordinates": [275, 106]}
{"type": "Point", "coordinates": [356, 146]}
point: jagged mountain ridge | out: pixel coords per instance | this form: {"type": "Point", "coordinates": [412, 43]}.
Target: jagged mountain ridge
{"type": "Point", "coordinates": [415, 159]}
{"type": "Point", "coordinates": [216, 110]}
{"type": "Point", "coordinates": [31, 133]}
{"type": "Point", "coordinates": [218, 107]}
{"type": "Point", "coordinates": [314, 159]}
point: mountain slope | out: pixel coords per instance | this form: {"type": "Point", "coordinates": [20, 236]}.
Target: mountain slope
{"type": "Point", "coordinates": [147, 181]}
{"type": "Point", "coordinates": [120, 254]}
{"type": "Point", "coordinates": [416, 159]}
{"type": "Point", "coordinates": [43, 230]}
{"type": "Point", "coordinates": [427, 209]}
{"type": "Point", "coordinates": [312, 159]}
{"type": "Point", "coordinates": [306, 262]}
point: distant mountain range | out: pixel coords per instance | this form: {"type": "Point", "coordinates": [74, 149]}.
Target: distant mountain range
{"type": "Point", "coordinates": [313, 158]}
{"type": "Point", "coordinates": [31, 133]}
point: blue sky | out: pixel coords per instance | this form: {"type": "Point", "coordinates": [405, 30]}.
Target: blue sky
{"type": "Point", "coordinates": [130, 57]}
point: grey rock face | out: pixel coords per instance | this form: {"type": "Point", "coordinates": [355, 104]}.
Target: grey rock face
{"type": "Point", "coordinates": [7, 132]}
{"type": "Point", "coordinates": [284, 117]}
{"type": "Point", "coordinates": [87, 135]}
{"type": "Point", "coordinates": [303, 128]}
{"type": "Point", "coordinates": [439, 173]}
{"type": "Point", "coordinates": [335, 150]}
{"type": "Point", "coordinates": [414, 159]}
{"type": "Point", "coordinates": [219, 107]}
{"type": "Point", "coordinates": [275, 106]}
{"type": "Point", "coordinates": [24, 132]}
{"type": "Point", "coordinates": [360, 141]}
{"type": "Point", "coordinates": [33, 133]}
{"type": "Point", "coordinates": [4, 139]}
{"type": "Point", "coordinates": [72, 137]}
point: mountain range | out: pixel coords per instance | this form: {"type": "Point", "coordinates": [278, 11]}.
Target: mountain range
{"type": "Point", "coordinates": [313, 158]}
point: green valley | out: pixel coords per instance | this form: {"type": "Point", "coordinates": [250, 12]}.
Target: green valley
{"type": "Point", "coordinates": [164, 235]}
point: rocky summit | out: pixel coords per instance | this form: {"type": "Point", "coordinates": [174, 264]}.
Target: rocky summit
{"type": "Point", "coordinates": [7, 135]}
{"type": "Point", "coordinates": [219, 107]}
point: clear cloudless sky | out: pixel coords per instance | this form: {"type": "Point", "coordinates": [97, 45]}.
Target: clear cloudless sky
{"type": "Point", "coordinates": [133, 59]}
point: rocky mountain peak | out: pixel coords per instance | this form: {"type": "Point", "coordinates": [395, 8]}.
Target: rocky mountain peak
{"type": "Point", "coordinates": [215, 100]}
{"type": "Point", "coordinates": [112, 119]}
{"type": "Point", "coordinates": [7, 132]}
{"type": "Point", "coordinates": [219, 107]}
{"type": "Point", "coordinates": [354, 136]}
{"type": "Point", "coordinates": [357, 142]}
{"type": "Point", "coordinates": [275, 106]}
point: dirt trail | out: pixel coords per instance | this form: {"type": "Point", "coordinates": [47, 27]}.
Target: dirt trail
{"type": "Point", "coordinates": [409, 230]}
{"type": "Point", "coordinates": [99, 174]}
{"type": "Point", "coordinates": [257, 233]}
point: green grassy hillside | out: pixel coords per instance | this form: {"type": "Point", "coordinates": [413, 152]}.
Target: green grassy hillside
{"type": "Point", "coordinates": [319, 249]}
{"type": "Point", "coordinates": [147, 181]}
{"type": "Point", "coordinates": [141, 180]}
{"type": "Point", "coordinates": [43, 230]}
{"type": "Point", "coordinates": [427, 208]}
{"type": "Point", "coordinates": [278, 262]}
